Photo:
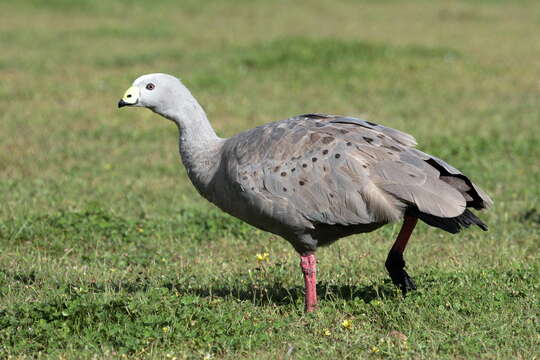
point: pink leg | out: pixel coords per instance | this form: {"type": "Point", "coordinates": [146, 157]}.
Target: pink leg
{"type": "Point", "coordinates": [308, 263]}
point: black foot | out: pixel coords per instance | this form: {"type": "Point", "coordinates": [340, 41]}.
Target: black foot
{"type": "Point", "coordinates": [396, 268]}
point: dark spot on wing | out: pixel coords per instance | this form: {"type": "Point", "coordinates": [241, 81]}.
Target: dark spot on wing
{"type": "Point", "coordinates": [337, 156]}
{"type": "Point", "coordinates": [325, 152]}
{"type": "Point", "coordinates": [283, 173]}
{"type": "Point", "coordinates": [349, 143]}
{"type": "Point", "coordinates": [314, 159]}
{"type": "Point", "coordinates": [368, 139]}
{"type": "Point", "coordinates": [327, 140]}
{"type": "Point", "coordinates": [304, 165]}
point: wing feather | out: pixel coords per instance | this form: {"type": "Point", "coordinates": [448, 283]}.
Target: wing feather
{"type": "Point", "coordinates": [340, 170]}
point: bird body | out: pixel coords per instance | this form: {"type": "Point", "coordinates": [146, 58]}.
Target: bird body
{"type": "Point", "coordinates": [315, 178]}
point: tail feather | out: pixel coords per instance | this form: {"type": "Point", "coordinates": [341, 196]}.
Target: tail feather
{"type": "Point", "coordinates": [452, 225]}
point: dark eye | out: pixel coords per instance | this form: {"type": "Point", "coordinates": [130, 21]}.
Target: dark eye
{"type": "Point", "coordinates": [150, 86]}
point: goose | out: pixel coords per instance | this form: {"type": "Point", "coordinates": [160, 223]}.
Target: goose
{"type": "Point", "coordinates": [315, 178]}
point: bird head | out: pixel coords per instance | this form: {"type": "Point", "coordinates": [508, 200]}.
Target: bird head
{"type": "Point", "coordinates": [160, 93]}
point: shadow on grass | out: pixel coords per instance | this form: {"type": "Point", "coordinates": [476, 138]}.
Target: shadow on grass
{"type": "Point", "coordinates": [259, 294]}
{"type": "Point", "coordinates": [25, 278]}
{"type": "Point", "coordinates": [277, 294]}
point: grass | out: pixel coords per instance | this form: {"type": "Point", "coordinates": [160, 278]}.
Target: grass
{"type": "Point", "coordinates": [106, 250]}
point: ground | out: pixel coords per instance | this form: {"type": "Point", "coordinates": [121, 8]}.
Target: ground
{"type": "Point", "coordinates": [106, 250]}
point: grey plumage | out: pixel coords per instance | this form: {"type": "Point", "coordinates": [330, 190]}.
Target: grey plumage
{"type": "Point", "coordinates": [293, 177]}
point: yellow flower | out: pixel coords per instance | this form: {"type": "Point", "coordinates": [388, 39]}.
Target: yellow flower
{"type": "Point", "coordinates": [326, 332]}
{"type": "Point", "coordinates": [347, 324]}
{"type": "Point", "coordinates": [140, 230]}
{"type": "Point", "coordinates": [262, 257]}
{"type": "Point", "coordinates": [374, 349]}
{"type": "Point", "coordinates": [165, 329]}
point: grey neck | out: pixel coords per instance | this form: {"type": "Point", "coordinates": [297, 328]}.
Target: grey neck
{"type": "Point", "coordinates": [200, 147]}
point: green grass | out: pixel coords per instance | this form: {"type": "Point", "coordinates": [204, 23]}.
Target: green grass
{"type": "Point", "coordinates": [106, 250]}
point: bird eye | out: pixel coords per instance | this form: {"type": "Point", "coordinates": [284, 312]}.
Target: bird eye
{"type": "Point", "coordinates": [150, 86]}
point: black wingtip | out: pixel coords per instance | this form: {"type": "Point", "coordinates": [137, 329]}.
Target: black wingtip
{"type": "Point", "coordinates": [468, 218]}
{"type": "Point", "coordinates": [482, 226]}
{"type": "Point", "coordinates": [452, 225]}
